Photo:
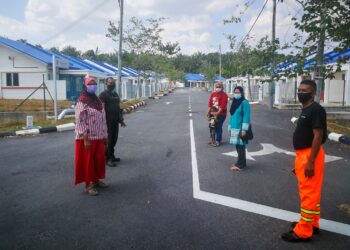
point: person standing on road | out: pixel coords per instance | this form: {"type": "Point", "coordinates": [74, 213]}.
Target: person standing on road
{"type": "Point", "coordinates": [90, 139]}
{"type": "Point", "coordinates": [114, 117]}
{"type": "Point", "coordinates": [309, 135]}
{"type": "Point", "coordinates": [218, 99]}
{"type": "Point", "coordinates": [238, 126]}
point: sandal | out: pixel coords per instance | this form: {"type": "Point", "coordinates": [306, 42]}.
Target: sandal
{"type": "Point", "coordinates": [101, 184]}
{"type": "Point", "coordinates": [234, 168]}
{"type": "Point", "coordinates": [90, 190]}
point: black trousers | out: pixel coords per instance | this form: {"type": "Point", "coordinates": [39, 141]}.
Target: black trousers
{"type": "Point", "coordinates": [113, 131]}
{"type": "Point", "coordinates": [241, 161]}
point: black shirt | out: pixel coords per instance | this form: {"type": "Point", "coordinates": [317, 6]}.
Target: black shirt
{"type": "Point", "coordinates": [311, 117]}
{"type": "Point", "coordinates": [111, 100]}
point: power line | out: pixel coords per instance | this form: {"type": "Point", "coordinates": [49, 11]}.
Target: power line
{"type": "Point", "coordinates": [245, 37]}
{"type": "Point", "coordinates": [71, 25]}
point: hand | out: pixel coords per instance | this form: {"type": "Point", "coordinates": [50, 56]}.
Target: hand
{"type": "Point", "coordinates": [123, 125]}
{"type": "Point", "coordinates": [309, 169]}
{"type": "Point", "coordinates": [208, 115]}
{"type": "Point", "coordinates": [87, 144]}
{"type": "Point", "coordinates": [244, 133]}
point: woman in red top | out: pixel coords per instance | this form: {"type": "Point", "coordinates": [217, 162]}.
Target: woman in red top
{"type": "Point", "coordinates": [218, 99]}
{"type": "Point", "coordinates": [90, 139]}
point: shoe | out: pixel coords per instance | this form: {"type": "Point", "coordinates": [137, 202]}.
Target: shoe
{"type": "Point", "coordinates": [115, 159]}
{"type": "Point", "coordinates": [315, 230]}
{"type": "Point", "coordinates": [110, 163]}
{"type": "Point", "coordinates": [216, 144]}
{"type": "Point", "coordinates": [292, 237]}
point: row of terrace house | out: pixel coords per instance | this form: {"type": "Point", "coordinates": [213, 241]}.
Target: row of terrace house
{"type": "Point", "coordinates": [25, 68]}
{"type": "Point", "coordinates": [334, 92]}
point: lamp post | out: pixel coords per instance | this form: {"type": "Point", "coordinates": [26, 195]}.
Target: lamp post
{"type": "Point", "coordinates": [121, 6]}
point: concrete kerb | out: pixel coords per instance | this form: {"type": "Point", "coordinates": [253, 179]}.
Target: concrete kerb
{"type": "Point", "coordinates": [332, 136]}
{"type": "Point", "coordinates": [58, 128]}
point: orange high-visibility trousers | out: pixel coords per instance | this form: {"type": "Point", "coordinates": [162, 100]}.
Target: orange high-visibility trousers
{"type": "Point", "coordinates": [309, 192]}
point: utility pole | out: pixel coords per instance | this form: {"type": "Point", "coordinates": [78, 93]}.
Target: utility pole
{"type": "Point", "coordinates": [272, 83]}
{"type": "Point", "coordinates": [220, 61]}
{"type": "Point", "coordinates": [319, 63]}
{"type": "Point", "coordinates": [121, 7]}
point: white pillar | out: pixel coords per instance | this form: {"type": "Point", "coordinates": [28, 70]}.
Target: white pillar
{"type": "Point", "coordinates": [277, 92]}
{"type": "Point", "coordinates": [326, 90]}
{"type": "Point", "coordinates": [347, 85]}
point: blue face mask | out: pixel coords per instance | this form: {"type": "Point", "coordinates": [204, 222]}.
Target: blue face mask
{"type": "Point", "coordinates": [91, 89]}
{"type": "Point", "coordinates": [237, 96]}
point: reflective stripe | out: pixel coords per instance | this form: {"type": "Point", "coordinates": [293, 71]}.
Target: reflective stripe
{"type": "Point", "coordinates": [318, 205]}
{"type": "Point", "coordinates": [309, 211]}
{"type": "Point", "coordinates": [307, 219]}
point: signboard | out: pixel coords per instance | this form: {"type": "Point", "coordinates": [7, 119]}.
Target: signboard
{"type": "Point", "coordinates": [62, 64]}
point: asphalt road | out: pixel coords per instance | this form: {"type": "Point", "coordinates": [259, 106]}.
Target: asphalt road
{"type": "Point", "coordinates": [150, 202]}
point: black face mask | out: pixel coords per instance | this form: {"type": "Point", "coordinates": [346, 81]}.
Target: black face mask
{"type": "Point", "coordinates": [111, 87]}
{"type": "Point", "coordinates": [304, 97]}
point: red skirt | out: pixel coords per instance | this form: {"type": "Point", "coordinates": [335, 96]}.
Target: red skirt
{"type": "Point", "coordinates": [90, 165]}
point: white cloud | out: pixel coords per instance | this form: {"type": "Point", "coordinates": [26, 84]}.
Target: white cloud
{"type": "Point", "coordinates": [195, 24]}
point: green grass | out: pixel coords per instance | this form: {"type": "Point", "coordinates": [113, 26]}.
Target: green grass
{"type": "Point", "coordinates": [47, 123]}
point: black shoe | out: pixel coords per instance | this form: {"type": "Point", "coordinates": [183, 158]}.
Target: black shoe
{"type": "Point", "coordinates": [110, 163]}
{"type": "Point", "coordinates": [115, 159]}
{"type": "Point", "coordinates": [292, 237]}
{"type": "Point", "coordinates": [315, 230]}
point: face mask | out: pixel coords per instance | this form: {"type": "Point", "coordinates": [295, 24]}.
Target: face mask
{"type": "Point", "coordinates": [304, 97]}
{"type": "Point", "coordinates": [91, 89]}
{"type": "Point", "coordinates": [111, 87]}
{"type": "Point", "coordinates": [237, 96]}
{"type": "Point", "coordinates": [218, 89]}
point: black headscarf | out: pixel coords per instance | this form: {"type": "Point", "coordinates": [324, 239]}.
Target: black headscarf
{"type": "Point", "coordinates": [236, 103]}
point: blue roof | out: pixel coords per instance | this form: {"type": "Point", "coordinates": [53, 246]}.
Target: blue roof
{"type": "Point", "coordinates": [28, 49]}
{"type": "Point", "coordinates": [194, 77]}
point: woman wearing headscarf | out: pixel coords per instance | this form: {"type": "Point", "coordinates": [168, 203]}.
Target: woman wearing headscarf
{"type": "Point", "coordinates": [238, 126]}
{"type": "Point", "coordinates": [90, 139]}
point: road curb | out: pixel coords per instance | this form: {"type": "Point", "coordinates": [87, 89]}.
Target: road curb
{"type": "Point", "coordinates": [58, 128]}
{"type": "Point", "coordinates": [332, 136]}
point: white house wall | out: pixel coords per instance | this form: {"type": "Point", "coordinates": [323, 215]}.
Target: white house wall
{"type": "Point", "coordinates": [30, 73]}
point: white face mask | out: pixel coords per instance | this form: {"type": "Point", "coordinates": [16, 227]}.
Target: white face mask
{"type": "Point", "coordinates": [218, 89]}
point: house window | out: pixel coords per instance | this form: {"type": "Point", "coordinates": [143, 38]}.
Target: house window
{"type": "Point", "coordinates": [12, 79]}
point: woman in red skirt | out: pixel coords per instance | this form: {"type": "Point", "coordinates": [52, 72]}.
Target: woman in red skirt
{"type": "Point", "coordinates": [90, 139]}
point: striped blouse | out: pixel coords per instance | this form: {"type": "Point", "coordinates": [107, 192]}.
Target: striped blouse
{"type": "Point", "coordinates": [91, 121]}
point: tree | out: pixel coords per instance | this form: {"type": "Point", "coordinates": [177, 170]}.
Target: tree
{"type": "Point", "coordinates": [143, 37]}
{"type": "Point", "coordinates": [71, 51]}
{"type": "Point", "coordinates": [324, 21]}
{"type": "Point", "coordinates": [55, 49]}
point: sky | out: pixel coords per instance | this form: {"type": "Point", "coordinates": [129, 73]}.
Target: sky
{"type": "Point", "coordinates": [196, 24]}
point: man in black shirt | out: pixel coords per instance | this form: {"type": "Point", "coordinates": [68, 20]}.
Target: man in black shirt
{"type": "Point", "coordinates": [309, 135]}
{"type": "Point", "coordinates": [114, 116]}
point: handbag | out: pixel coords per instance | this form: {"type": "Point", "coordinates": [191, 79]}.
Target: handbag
{"type": "Point", "coordinates": [249, 133]}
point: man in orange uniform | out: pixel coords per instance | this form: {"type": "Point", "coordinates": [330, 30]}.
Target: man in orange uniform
{"type": "Point", "coordinates": [309, 135]}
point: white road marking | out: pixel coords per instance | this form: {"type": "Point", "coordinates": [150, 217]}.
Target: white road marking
{"type": "Point", "coordinates": [332, 226]}
{"type": "Point", "coordinates": [190, 114]}
{"type": "Point", "coordinates": [270, 149]}
{"type": "Point", "coordinates": [167, 103]}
